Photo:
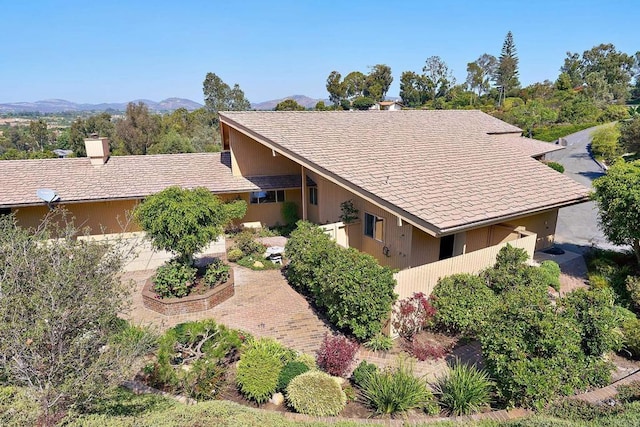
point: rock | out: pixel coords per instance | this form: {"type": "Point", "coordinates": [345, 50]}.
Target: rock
{"type": "Point", "coordinates": [277, 399]}
{"type": "Point", "coordinates": [258, 264]}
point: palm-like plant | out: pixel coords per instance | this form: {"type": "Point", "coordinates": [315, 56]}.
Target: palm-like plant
{"type": "Point", "coordinates": [465, 390]}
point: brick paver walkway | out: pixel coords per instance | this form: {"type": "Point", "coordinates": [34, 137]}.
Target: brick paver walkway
{"type": "Point", "coordinates": [608, 392]}
{"type": "Point", "coordinates": [265, 305]}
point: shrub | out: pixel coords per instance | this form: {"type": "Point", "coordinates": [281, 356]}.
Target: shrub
{"type": "Point", "coordinates": [308, 360]}
{"type": "Point", "coordinates": [423, 350]}
{"type": "Point", "coordinates": [465, 390]}
{"type": "Point", "coordinates": [273, 347]}
{"type": "Point", "coordinates": [550, 274]}
{"type": "Point", "coordinates": [316, 393]}
{"type": "Point", "coordinates": [412, 314]}
{"type": "Point", "coordinates": [632, 284]}
{"type": "Point", "coordinates": [363, 370]}
{"type": "Point", "coordinates": [349, 212]}
{"type": "Point", "coordinates": [462, 302]}
{"type": "Point", "coordinates": [185, 221]}
{"type": "Point", "coordinates": [629, 392]}
{"type": "Point", "coordinates": [396, 390]}
{"type": "Point", "coordinates": [631, 333]}
{"type": "Point", "coordinates": [216, 272]}
{"type": "Point", "coordinates": [247, 243]}
{"type": "Point", "coordinates": [17, 408]}
{"type": "Point", "coordinates": [555, 166]}
{"type": "Point", "coordinates": [290, 213]}
{"type": "Point", "coordinates": [534, 352]}
{"type": "Point", "coordinates": [379, 342]}
{"type": "Point", "coordinates": [353, 290]}
{"type": "Point", "coordinates": [257, 374]}
{"type": "Point", "coordinates": [580, 410]}
{"type": "Point", "coordinates": [336, 354]}
{"type": "Point", "coordinates": [593, 309]}
{"type": "Point", "coordinates": [192, 359]}
{"type": "Point", "coordinates": [234, 254]}
{"type": "Point", "coordinates": [173, 279]}
{"type": "Point", "coordinates": [289, 372]}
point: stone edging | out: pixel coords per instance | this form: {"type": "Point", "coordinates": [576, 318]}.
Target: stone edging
{"type": "Point", "coordinates": [190, 303]}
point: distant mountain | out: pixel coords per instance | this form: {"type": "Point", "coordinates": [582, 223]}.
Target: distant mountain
{"type": "Point", "coordinates": [61, 105]}
{"type": "Point", "coordinates": [303, 100]}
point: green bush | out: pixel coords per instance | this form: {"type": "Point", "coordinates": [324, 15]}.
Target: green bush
{"type": "Point", "coordinates": [350, 287]}
{"type": "Point", "coordinates": [290, 213]}
{"type": "Point", "coordinates": [362, 371]}
{"type": "Point", "coordinates": [379, 342]}
{"type": "Point", "coordinates": [205, 373]}
{"type": "Point", "coordinates": [629, 392]}
{"type": "Point", "coordinates": [185, 221]}
{"type": "Point", "coordinates": [632, 284]}
{"type": "Point", "coordinates": [173, 279]}
{"type": "Point", "coordinates": [234, 254]}
{"type": "Point", "coordinates": [289, 372]}
{"type": "Point", "coordinates": [316, 393]}
{"type": "Point", "coordinates": [631, 334]}
{"type": "Point", "coordinates": [593, 309]}
{"type": "Point", "coordinates": [216, 272]}
{"type": "Point", "coordinates": [553, 132]}
{"type": "Point", "coordinates": [534, 352]}
{"type": "Point", "coordinates": [272, 347]}
{"type": "Point", "coordinates": [247, 243]}
{"type": "Point", "coordinates": [308, 360]}
{"type": "Point", "coordinates": [257, 374]}
{"type": "Point", "coordinates": [396, 390]}
{"type": "Point", "coordinates": [17, 409]}
{"type": "Point", "coordinates": [258, 263]}
{"type": "Point", "coordinates": [555, 166]}
{"type": "Point", "coordinates": [463, 302]}
{"type": "Point", "coordinates": [465, 390]}
{"type": "Point", "coordinates": [580, 410]}
{"type": "Point", "coordinates": [550, 274]}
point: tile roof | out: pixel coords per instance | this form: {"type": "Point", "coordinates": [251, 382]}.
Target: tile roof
{"type": "Point", "coordinates": [126, 177]}
{"type": "Point", "coordinates": [445, 169]}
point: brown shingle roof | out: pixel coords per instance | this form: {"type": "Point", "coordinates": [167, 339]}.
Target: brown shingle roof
{"type": "Point", "coordinates": [126, 177]}
{"type": "Point", "coordinates": [446, 169]}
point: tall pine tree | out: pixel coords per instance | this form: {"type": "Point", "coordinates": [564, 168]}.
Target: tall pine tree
{"type": "Point", "coordinates": [507, 73]}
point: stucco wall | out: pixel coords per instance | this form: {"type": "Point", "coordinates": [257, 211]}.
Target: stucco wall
{"type": "Point", "coordinates": [543, 224]}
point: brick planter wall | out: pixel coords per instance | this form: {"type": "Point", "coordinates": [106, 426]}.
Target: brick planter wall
{"type": "Point", "coordinates": [190, 303]}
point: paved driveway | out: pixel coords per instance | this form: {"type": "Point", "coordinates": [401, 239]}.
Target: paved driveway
{"type": "Point", "coordinates": [578, 224]}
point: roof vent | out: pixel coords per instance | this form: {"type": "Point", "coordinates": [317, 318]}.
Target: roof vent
{"type": "Point", "coordinates": [97, 150]}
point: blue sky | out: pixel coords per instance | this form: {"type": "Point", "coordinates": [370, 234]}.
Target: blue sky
{"type": "Point", "coordinates": [116, 51]}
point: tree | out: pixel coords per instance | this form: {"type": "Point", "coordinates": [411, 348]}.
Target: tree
{"type": "Point", "coordinates": [438, 77]}
{"type": "Point", "coordinates": [413, 89]}
{"type": "Point", "coordinates": [617, 195]}
{"type": "Point", "coordinates": [81, 129]}
{"type": "Point", "coordinates": [171, 143]}
{"type": "Point", "coordinates": [335, 87]}
{"type": "Point", "coordinates": [363, 103]}
{"type": "Point", "coordinates": [616, 68]}
{"type": "Point", "coordinates": [480, 73]}
{"type": "Point", "coordinates": [218, 96]}
{"type": "Point", "coordinates": [354, 84]}
{"type": "Point", "coordinates": [531, 114]}
{"type": "Point", "coordinates": [59, 306]}
{"type": "Point", "coordinates": [630, 135]}
{"type": "Point", "coordinates": [378, 82]}
{"type": "Point", "coordinates": [507, 71]}
{"type": "Point", "coordinates": [573, 69]}
{"type": "Point", "coordinates": [185, 221]}
{"type": "Point", "coordinates": [39, 132]}
{"type": "Point", "coordinates": [289, 105]}
{"type": "Point", "coordinates": [138, 131]}
{"type": "Point", "coordinates": [604, 142]}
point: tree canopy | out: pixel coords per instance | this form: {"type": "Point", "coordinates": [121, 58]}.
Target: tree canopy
{"type": "Point", "coordinates": [219, 96]}
{"type": "Point", "coordinates": [617, 195]}
{"type": "Point", "coordinates": [507, 71]}
{"type": "Point", "coordinates": [185, 221]}
{"type": "Point", "coordinates": [289, 105]}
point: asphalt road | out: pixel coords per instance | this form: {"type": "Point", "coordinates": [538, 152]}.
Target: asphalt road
{"type": "Point", "coordinates": [578, 225]}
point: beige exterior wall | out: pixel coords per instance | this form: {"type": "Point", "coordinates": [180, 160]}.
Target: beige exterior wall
{"type": "Point", "coordinates": [250, 158]}
{"type": "Point", "coordinates": [99, 217]}
{"type": "Point", "coordinates": [543, 224]}
{"type": "Point", "coordinates": [424, 248]}
{"type": "Point", "coordinates": [269, 214]}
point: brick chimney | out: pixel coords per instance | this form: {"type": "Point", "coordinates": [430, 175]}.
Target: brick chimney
{"type": "Point", "coordinates": [97, 149]}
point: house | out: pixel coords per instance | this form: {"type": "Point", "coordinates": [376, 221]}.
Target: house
{"type": "Point", "coordinates": [387, 105]}
{"type": "Point", "coordinates": [437, 192]}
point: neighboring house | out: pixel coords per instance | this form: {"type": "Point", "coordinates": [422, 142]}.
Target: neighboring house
{"type": "Point", "coordinates": [387, 105]}
{"type": "Point", "coordinates": [438, 191]}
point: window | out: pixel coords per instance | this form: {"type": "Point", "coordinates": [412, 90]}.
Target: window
{"type": "Point", "coordinates": [313, 196]}
{"type": "Point", "coordinates": [258, 197]}
{"type": "Point", "coordinates": [446, 246]}
{"type": "Point", "coordinates": [5, 211]}
{"type": "Point", "coordinates": [374, 227]}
